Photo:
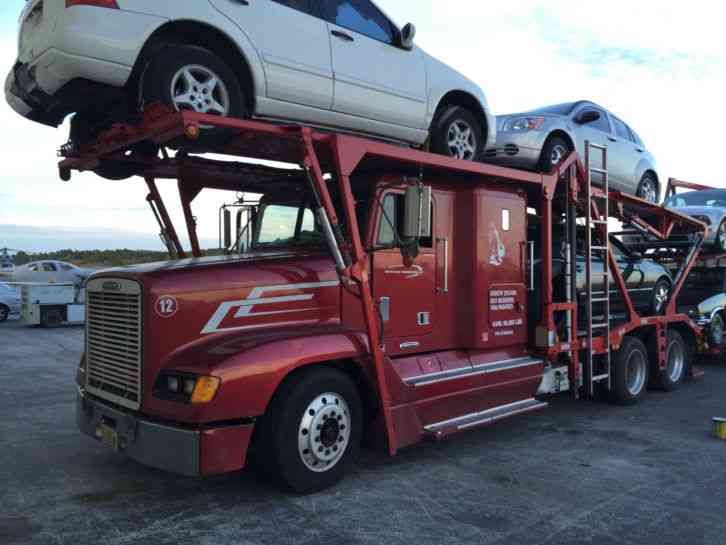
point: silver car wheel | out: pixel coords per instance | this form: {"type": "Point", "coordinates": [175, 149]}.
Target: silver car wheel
{"type": "Point", "coordinates": [676, 361]}
{"type": "Point", "coordinates": [636, 371]}
{"type": "Point", "coordinates": [198, 88]}
{"type": "Point", "coordinates": [660, 297]}
{"type": "Point", "coordinates": [324, 432]}
{"type": "Point", "coordinates": [648, 191]}
{"type": "Point", "coordinates": [721, 237]}
{"type": "Point", "coordinates": [461, 140]}
{"type": "Point", "coordinates": [558, 154]}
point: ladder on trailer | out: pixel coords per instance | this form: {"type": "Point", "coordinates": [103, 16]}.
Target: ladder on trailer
{"type": "Point", "coordinates": [597, 250]}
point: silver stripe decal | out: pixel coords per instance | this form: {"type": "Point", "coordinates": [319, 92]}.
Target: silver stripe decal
{"type": "Point", "coordinates": [255, 298]}
{"type": "Point", "coordinates": [481, 369]}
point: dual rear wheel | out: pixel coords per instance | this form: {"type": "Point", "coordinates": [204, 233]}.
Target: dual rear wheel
{"type": "Point", "coordinates": [634, 368]}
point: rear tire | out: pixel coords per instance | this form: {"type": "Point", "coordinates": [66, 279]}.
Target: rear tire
{"type": "Point", "coordinates": [676, 357]}
{"type": "Point", "coordinates": [51, 318]}
{"type": "Point", "coordinates": [648, 188]}
{"type": "Point", "coordinates": [312, 430]}
{"type": "Point", "coordinates": [4, 313]}
{"type": "Point", "coordinates": [630, 372]}
{"type": "Point", "coordinates": [659, 299]}
{"type": "Point", "coordinates": [456, 133]}
{"type": "Point", "coordinates": [192, 78]}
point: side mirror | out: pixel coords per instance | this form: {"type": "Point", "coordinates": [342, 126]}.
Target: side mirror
{"type": "Point", "coordinates": [408, 33]}
{"type": "Point", "coordinates": [587, 116]}
{"type": "Point", "coordinates": [417, 210]}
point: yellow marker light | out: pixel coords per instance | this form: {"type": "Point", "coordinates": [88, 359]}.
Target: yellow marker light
{"type": "Point", "coordinates": [205, 389]}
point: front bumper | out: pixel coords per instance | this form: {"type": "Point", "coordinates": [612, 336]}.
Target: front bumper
{"type": "Point", "coordinates": [516, 149]}
{"type": "Point", "coordinates": [190, 451]}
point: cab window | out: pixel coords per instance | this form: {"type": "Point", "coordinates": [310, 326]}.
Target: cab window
{"type": "Point", "coordinates": [360, 16]}
{"type": "Point", "coordinates": [282, 225]}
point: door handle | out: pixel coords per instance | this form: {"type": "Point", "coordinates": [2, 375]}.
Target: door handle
{"type": "Point", "coordinates": [612, 139]}
{"type": "Point", "coordinates": [639, 150]}
{"type": "Point", "coordinates": [445, 242]}
{"type": "Point", "coordinates": [243, 2]}
{"type": "Point", "coordinates": [342, 35]}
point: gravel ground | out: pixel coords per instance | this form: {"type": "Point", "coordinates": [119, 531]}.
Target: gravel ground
{"type": "Point", "coordinates": [579, 472]}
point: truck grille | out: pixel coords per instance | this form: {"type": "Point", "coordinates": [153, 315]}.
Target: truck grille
{"type": "Point", "coordinates": [113, 340]}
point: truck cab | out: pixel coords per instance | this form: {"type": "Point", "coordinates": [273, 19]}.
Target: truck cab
{"type": "Point", "coordinates": [193, 354]}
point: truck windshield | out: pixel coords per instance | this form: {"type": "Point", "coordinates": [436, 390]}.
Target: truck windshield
{"type": "Point", "coordinates": [285, 225]}
{"type": "Point", "coordinates": [698, 198]}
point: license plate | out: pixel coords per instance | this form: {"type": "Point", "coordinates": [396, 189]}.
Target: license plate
{"type": "Point", "coordinates": [108, 436]}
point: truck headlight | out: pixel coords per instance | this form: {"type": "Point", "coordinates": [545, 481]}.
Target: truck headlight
{"type": "Point", "coordinates": [524, 124]}
{"type": "Point", "coordinates": [186, 387]}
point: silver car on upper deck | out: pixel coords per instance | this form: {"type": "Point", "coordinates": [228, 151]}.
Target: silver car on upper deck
{"type": "Point", "coordinates": [541, 138]}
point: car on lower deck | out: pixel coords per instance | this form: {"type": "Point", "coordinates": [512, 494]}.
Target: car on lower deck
{"type": "Point", "coordinates": [336, 64]}
{"type": "Point", "coordinates": [541, 138]}
{"type": "Point", "coordinates": [708, 206]}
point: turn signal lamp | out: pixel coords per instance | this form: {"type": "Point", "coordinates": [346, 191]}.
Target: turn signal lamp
{"type": "Point", "coordinates": [205, 389]}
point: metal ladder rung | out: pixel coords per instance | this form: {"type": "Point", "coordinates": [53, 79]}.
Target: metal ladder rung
{"type": "Point", "coordinates": [600, 222]}
{"type": "Point", "coordinates": [600, 300]}
{"type": "Point", "coordinates": [596, 170]}
{"type": "Point", "coordinates": [598, 378]}
{"type": "Point", "coordinates": [597, 146]}
{"type": "Point", "coordinates": [600, 326]}
{"type": "Point", "coordinates": [599, 248]}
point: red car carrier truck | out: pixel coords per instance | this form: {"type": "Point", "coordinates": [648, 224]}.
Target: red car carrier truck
{"type": "Point", "coordinates": [372, 292]}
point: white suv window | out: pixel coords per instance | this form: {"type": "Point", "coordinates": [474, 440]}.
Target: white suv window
{"type": "Point", "coordinates": [361, 16]}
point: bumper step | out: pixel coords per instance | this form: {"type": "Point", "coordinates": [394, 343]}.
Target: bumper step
{"type": "Point", "coordinates": [440, 430]}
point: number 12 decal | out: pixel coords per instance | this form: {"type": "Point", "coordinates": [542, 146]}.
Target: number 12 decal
{"type": "Point", "coordinates": [166, 306]}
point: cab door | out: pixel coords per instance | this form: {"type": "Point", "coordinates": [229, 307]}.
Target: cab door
{"type": "Point", "coordinates": [294, 47]}
{"type": "Point", "coordinates": [404, 294]}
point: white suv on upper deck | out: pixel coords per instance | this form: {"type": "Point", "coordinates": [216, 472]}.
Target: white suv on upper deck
{"type": "Point", "coordinates": [336, 64]}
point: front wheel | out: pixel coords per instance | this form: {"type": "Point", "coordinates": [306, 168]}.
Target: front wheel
{"type": "Point", "coordinates": [720, 243]}
{"type": "Point", "coordinates": [4, 313]}
{"type": "Point", "coordinates": [457, 133]}
{"type": "Point", "coordinates": [553, 152]}
{"type": "Point", "coordinates": [648, 189]}
{"type": "Point", "coordinates": [312, 430]}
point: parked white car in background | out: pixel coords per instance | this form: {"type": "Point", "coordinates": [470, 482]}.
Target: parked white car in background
{"type": "Point", "coordinates": [336, 64]}
{"type": "Point", "coordinates": [9, 301]}
{"type": "Point", "coordinates": [51, 272]}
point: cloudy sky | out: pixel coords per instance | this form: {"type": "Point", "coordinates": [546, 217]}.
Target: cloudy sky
{"type": "Point", "coordinates": [660, 65]}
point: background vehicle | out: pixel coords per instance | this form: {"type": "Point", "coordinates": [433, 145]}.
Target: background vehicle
{"type": "Point", "coordinates": [51, 305]}
{"type": "Point", "coordinates": [338, 64]}
{"type": "Point", "coordinates": [708, 206]}
{"type": "Point", "coordinates": [9, 301]}
{"type": "Point", "coordinates": [51, 272]}
{"type": "Point", "coordinates": [541, 138]}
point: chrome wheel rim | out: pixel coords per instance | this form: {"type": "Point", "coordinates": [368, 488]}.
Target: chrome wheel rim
{"type": "Point", "coordinates": [199, 89]}
{"type": "Point", "coordinates": [647, 191]}
{"type": "Point", "coordinates": [558, 154]}
{"type": "Point", "coordinates": [636, 372]}
{"type": "Point", "coordinates": [722, 236]}
{"type": "Point", "coordinates": [324, 432]}
{"type": "Point", "coordinates": [661, 296]}
{"type": "Point", "coordinates": [676, 361]}
{"type": "Point", "coordinates": [717, 330]}
{"type": "Point", "coordinates": [461, 140]}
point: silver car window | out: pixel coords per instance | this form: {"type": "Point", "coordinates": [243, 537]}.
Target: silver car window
{"type": "Point", "coordinates": [601, 124]}
{"type": "Point", "coordinates": [621, 129]}
{"type": "Point", "coordinates": [360, 16]}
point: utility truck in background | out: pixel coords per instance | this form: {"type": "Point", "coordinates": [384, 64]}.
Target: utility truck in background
{"type": "Point", "coordinates": [373, 293]}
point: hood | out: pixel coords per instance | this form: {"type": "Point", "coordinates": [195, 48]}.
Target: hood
{"type": "Point", "coordinates": [710, 211]}
{"type": "Point", "coordinates": [221, 300]}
